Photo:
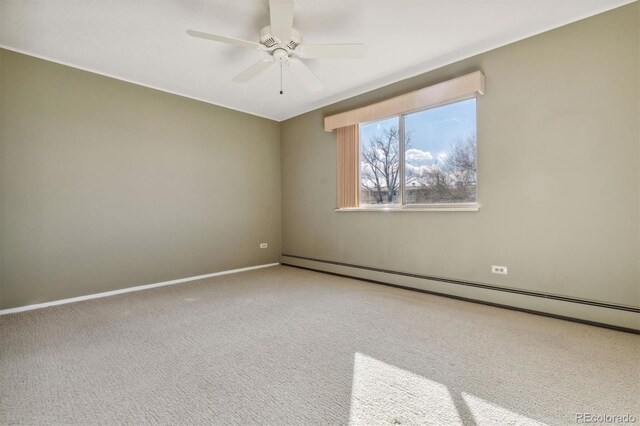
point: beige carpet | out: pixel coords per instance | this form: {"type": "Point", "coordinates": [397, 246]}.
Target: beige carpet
{"type": "Point", "coordinates": [289, 346]}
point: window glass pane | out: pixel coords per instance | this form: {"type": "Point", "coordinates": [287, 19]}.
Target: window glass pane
{"type": "Point", "coordinates": [380, 162]}
{"type": "Point", "coordinates": [440, 154]}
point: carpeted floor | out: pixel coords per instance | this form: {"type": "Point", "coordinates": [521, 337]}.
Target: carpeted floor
{"type": "Point", "coordinates": [289, 346]}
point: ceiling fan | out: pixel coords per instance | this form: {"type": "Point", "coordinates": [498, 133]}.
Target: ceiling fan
{"type": "Point", "coordinates": [283, 44]}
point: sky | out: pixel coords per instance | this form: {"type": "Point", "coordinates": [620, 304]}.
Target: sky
{"type": "Point", "coordinates": [432, 131]}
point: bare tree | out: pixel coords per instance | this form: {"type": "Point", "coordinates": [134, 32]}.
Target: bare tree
{"type": "Point", "coordinates": [461, 166]}
{"type": "Point", "coordinates": [455, 179]}
{"type": "Point", "coordinates": [438, 181]}
{"type": "Point", "coordinates": [461, 161]}
{"type": "Point", "coordinates": [381, 172]}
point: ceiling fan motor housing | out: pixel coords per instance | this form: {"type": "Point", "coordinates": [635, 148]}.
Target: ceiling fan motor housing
{"type": "Point", "coordinates": [270, 42]}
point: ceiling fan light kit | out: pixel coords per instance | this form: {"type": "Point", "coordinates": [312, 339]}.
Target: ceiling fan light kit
{"type": "Point", "coordinates": [283, 44]}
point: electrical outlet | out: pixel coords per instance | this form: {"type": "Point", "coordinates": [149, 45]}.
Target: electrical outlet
{"type": "Point", "coordinates": [502, 270]}
{"type": "Point", "coordinates": [263, 245]}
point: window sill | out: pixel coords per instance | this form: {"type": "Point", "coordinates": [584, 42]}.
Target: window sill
{"type": "Point", "coordinates": [436, 208]}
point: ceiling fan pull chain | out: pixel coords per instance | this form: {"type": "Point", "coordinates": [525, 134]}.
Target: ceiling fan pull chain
{"type": "Point", "coordinates": [281, 92]}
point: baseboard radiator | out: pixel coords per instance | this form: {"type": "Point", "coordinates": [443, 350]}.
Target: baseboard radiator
{"type": "Point", "coordinates": [619, 317]}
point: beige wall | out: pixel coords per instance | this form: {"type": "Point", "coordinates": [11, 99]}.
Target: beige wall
{"type": "Point", "coordinates": [558, 170]}
{"type": "Point", "coordinates": [1, 170]}
{"type": "Point", "coordinates": [107, 185]}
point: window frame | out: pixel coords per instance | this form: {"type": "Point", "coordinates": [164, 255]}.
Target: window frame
{"type": "Point", "coordinates": [402, 205]}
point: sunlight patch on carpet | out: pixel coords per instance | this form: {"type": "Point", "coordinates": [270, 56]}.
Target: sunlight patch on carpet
{"type": "Point", "coordinates": [487, 413]}
{"type": "Point", "coordinates": [385, 394]}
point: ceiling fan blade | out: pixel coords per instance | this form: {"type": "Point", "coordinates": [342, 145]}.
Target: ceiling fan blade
{"type": "Point", "coordinates": [253, 70]}
{"type": "Point", "coordinates": [224, 39]}
{"type": "Point", "coordinates": [304, 74]}
{"type": "Point", "coordinates": [347, 50]}
{"type": "Point", "coordinates": [281, 12]}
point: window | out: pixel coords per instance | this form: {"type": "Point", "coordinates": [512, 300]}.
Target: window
{"type": "Point", "coordinates": [414, 151]}
{"type": "Point", "coordinates": [421, 159]}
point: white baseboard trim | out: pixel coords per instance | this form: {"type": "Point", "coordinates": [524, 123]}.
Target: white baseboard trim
{"type": "Point", "coordinates": [129, 289]}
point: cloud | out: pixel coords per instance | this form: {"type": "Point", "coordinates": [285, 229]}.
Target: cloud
{"type": "Point", "coordinates": [442, 156]}
{"type": "Point", "coordinates": [417, 155]}
{"type": "Point", "coordinates": [416, 170]}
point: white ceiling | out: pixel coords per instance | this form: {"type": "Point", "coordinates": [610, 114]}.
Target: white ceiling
{"type": "Point", "coordinates": [143, 41]}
